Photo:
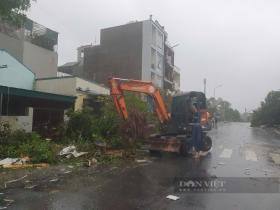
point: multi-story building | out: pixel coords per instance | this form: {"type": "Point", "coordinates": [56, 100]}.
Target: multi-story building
{"type": "Point", "coordinates": [76, 67]}
{"type": "Point", "coordinates": [33, 45]}
{"type": "Point", "coordinates": [137, 50]}
{"type": "Point", "coordinates": [171, 72]}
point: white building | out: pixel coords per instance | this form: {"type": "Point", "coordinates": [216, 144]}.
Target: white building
{"type": "Point", "coordinates": [153, 41]}
{"type": "Point", "coordinates": [33, 45]}
{"type": "Point", "coordinates": [71, 86]}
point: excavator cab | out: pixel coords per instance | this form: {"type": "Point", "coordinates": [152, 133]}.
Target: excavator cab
{"type": "Point", "coordinates": [181, 113]}
{"type": "Point", "coordinates": [176, 133]}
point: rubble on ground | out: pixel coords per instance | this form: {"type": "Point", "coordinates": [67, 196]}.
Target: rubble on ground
{"type": "Point", "coordinates": [15, 163]}
{"type": "Point", "coordinates": [172, 197]}
{"type": "Point", "coordinates": [71, 151]}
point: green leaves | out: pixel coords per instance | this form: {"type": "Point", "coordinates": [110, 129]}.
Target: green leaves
{"type": "Point", "coordinates": [13, 11]}
{"type": "Point", "coordinates": [269, 111]}
{"type": "Point", "coordinates": [223, 109]}
{"type": "Point", "coordinates": [101, 122]}
{"type": "Point", "coordinates": [18, 143]}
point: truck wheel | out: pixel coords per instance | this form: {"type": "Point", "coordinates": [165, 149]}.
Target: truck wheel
{"type": "Point", "coordinates": [207, 144]}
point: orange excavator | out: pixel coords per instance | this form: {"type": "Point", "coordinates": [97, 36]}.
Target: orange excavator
{"type": "Point", "coordinates": [176, 130]}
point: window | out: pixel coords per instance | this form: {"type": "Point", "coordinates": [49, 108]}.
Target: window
{"type": "Point", "coordinates": [12, 106]}
{"type": "Point", "coordinates": [153, 58]}
{"type": "Point", "coordinates": [159, 61]}
{"type": "Point", "coordinates": [159, 40]}
{"type": "Point", "coordinates": [153, 76]}
{"type": "Point", "coordinates": [156, 79]}
{"type": "Point", "coordinates": [154, 34]}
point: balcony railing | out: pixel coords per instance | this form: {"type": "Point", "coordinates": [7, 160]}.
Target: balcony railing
{"type": "Point", "coordinates": [40, 35]}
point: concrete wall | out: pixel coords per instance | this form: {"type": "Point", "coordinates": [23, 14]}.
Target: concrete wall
{"type": "Point", "coordinates": [41, 61]}
{"type": "Point", "coordinates": [79, 101]}
{"type": "Point", "coordinates": [20, 122]}
{"type": "Point", "coordinates": [92, 87]}
{"type": "Point", "coordinates": [119, 54]}
{"type": "Point", "coordinates": [59, 85]}
{"type": "Point", "coordinates": [15, 75]}
{"type": "Point", "coordinates": [146, 50]}
{"type": "Point", "coordinates": [69, 86]}
{"type": "Point", "coordinates": [12, 45]}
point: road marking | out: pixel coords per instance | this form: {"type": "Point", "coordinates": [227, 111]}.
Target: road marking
{"type": "Point", "coordinates": [226, 153]}
{"type": "Point", "coordinates": [250, 155]}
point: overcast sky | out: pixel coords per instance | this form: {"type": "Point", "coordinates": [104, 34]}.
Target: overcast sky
{"type": "Point", "coordinates": [233, 43]}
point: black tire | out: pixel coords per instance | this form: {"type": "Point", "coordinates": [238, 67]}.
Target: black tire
{"type": "Point", "coordinates": [207, 144]}
{"type": "Point", "coordinates": [154, 152]}
{"type": "Point", "coordinates": [184, 149]}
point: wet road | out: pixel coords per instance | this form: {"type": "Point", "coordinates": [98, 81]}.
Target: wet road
{"type": "Point", "coordinates": [239, 151]}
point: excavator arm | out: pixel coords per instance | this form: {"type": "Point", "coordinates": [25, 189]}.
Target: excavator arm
{"type": "Point", "coordinates": [118, 86]}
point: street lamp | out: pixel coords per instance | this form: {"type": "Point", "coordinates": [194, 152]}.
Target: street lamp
{"type": "Point", "coordinates": [215, 89]}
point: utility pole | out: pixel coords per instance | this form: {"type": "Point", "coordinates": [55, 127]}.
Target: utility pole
{"type": "Point", "coordinates": [204, 83]}
{"type": "Point", "coordinates": [224, 111]}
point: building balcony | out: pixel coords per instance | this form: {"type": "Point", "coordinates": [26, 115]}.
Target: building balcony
{"type": "Point", "coordinates": [31, 32]}
{"type": "Point", "coordinates": [168, 61]}
{"type": "Point", "coordinates": [39, 35]}
{"type": "Point", "coordinates": [177, 69]}
{"type": "Point", "coordinates": [176, 86]}
{"type": "Point", "coordinates": [176, 78]}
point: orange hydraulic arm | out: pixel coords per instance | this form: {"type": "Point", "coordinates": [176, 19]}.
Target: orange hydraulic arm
{"type": "Point", "coordinates": [118, 86]}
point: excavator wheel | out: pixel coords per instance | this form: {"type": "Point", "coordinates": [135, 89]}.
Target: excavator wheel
{"type": "Point", "coordinates": [207, 144]}
{"type": "Point", "coordinates": [154, 152]}
{"type": "Point", "coordinates": [184, 149]}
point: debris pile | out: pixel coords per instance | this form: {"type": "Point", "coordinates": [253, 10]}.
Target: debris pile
{"type": "Point", "coordinates": [71, 151]}
{"type": "Point", "coordinates": [14, 180]}
{"type": "Point", "coordinates": [172, 197]}
{"type": "Point", "coordinates": [14, 163]}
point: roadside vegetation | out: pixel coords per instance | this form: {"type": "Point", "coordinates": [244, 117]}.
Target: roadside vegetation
{"type": "Point", "coordinates": [269, 112]}
{"type": "Point", "coordinates": [15, 144]}
{"type": "Point", "coordinates": [223, 110]}
{"type": "Point", "coordinates": [97, 129]}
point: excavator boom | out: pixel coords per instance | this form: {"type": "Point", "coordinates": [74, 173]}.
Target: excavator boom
{"type": "Point", "coordinates": [118, 86]}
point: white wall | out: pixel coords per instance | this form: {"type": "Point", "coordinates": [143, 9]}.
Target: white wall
{"type": "Point", "coordinates": [59, 85]}
{"type": "Point", "coordinates": [147, 46]}
{"type": "Point", "coordinates": [69, 86]}
{"type": "Point", "coordinates": [20, 122]}
{"type": "Point", "coordinates": [91, 86]}
{"type": "Point", "coordinates": [41, 61]}
{"type": "Point", "coordinates": [12, 46]}
{"type": "Point", "coordinates": [146, 50]}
